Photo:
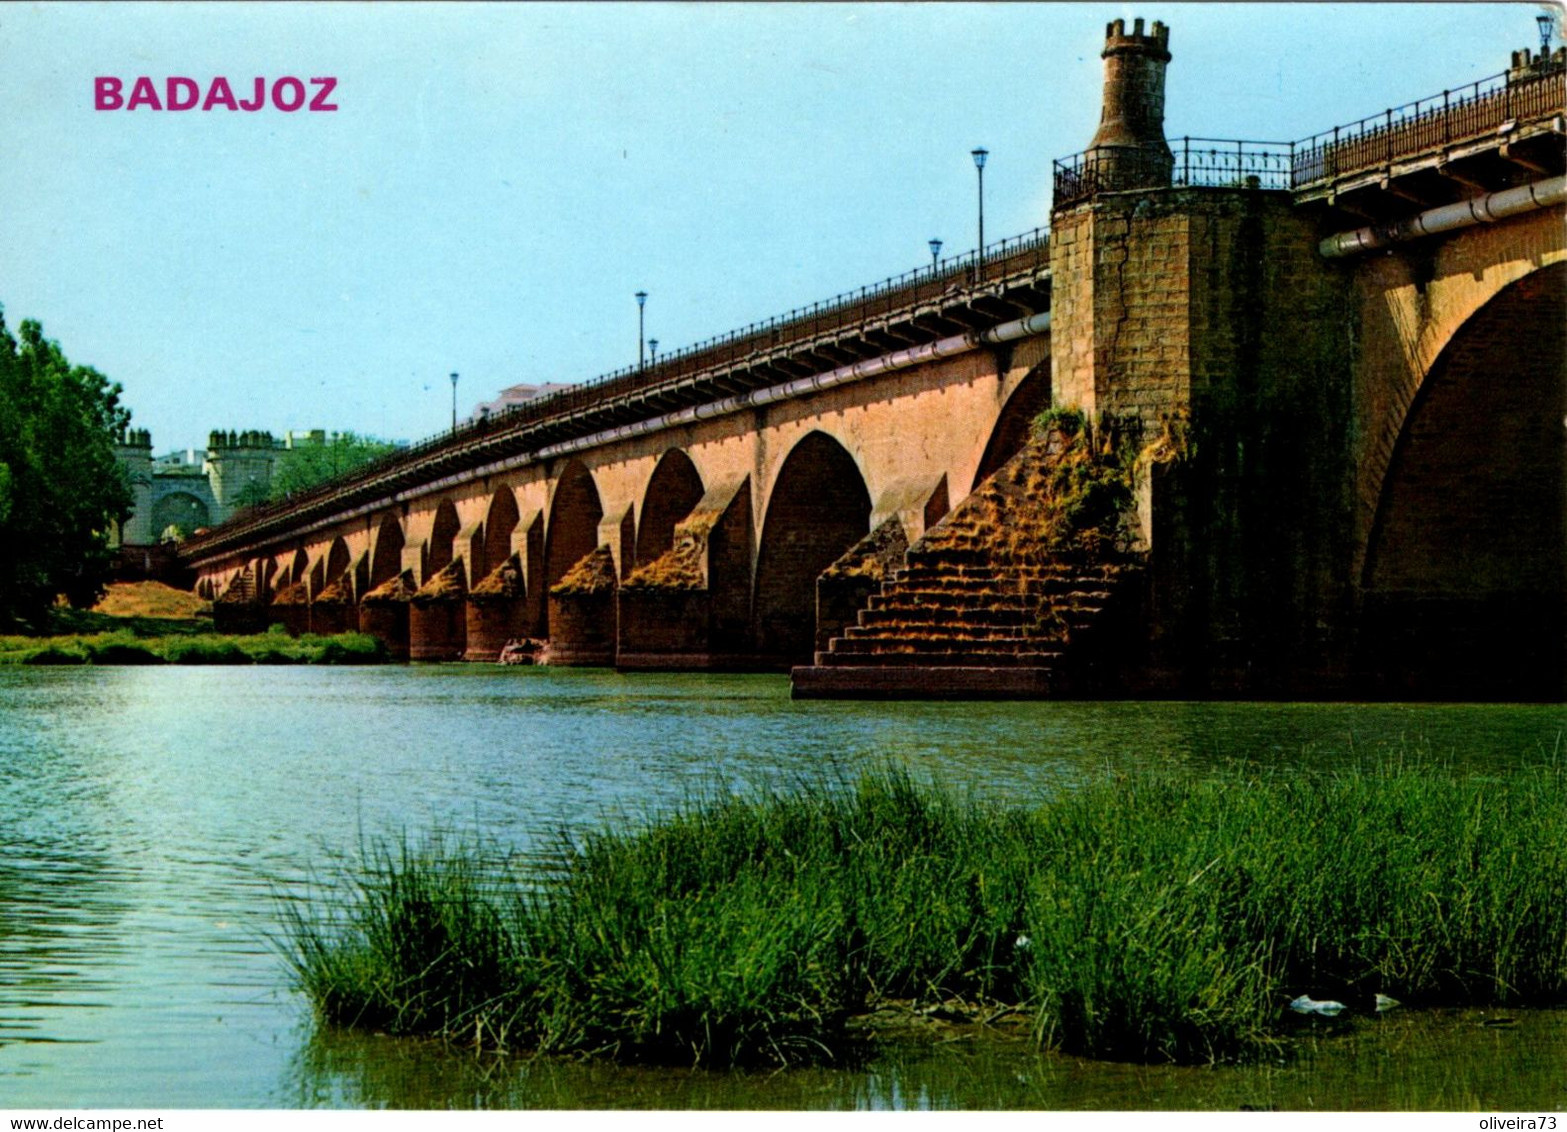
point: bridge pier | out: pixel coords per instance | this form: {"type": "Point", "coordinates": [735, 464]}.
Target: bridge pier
{"type": "Point", "coordinates": [497, 612]}
{"type": "Point", "coordinates": [383, 613]}
{"type": "Point", "coordinates": [584, 620]}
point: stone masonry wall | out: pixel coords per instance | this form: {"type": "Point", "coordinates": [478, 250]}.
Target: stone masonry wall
{"type": "Point", "coordinates": [1216, 326]}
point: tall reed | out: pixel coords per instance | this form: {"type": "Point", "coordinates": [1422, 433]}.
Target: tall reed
{"type": "Point", "coordinates": [1147, 917]}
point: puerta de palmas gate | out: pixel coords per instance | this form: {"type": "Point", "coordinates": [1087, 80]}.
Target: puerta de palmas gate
{"type": "Point", "coordinates": [1304, 435]}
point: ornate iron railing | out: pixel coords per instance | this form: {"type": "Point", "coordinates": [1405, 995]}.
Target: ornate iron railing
{"type": "Point", "coordinates": [1480, 109]}
{"type": "Point", "coordinates": [1206, 162]}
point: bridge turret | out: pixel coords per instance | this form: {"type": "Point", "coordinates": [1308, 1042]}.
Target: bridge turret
{"type": "Point", "coordinates": [236, 461]}
{"type": "Point", "coordinates": [133, 449]}
{"type": "Point", "coordinates": [1128, 150]}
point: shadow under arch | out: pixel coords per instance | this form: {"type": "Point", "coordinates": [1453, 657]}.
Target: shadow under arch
{"type": "Point", "coordinates": [1464, 588]}
{"type": "Point", "coordinates": [386, 557]}
{"type": "Point", "coordinates": [443, 536]}
{"type": "Point", "coordinates": [673, 490]}
{"type": "Point", "coordinates": [179, 509]}
{"type": "Point", "coordinates": [572, 530]}
{"type": "Point", "coordinates": [500, 521]}
{"type": "Point", "coordinates": [818, 508]}
{"type": "Point", "coordinates": [1016, 422]}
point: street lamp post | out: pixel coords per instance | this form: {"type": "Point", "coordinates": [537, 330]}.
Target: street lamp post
{"type": "Point", "coordinates": [979, 156]}
{"type": "Point", "coordinates": [1546, 24]}
{"type": "Point", "coordinates": [935, 254]}
{"type": "Point", "coordinates": [652, 351]}
{"type": "Point", "coordinates": [454, 402]}
{"type": "Point", "coordinates": [641, 306]}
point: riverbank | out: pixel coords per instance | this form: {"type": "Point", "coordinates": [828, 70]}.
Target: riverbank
{"type": "Point", "coordinates": [151, 623]}
{"type": "Point", "coordinates": [125, 646]}
{"type": "Point", "coordinates": [1141, 917]}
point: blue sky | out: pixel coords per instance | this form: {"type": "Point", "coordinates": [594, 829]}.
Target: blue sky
{"type": "Point", "coordinates": [500, 179]}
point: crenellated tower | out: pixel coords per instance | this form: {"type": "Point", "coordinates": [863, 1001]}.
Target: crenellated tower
{"type": "Point", "coordinates": [133, 449]}
{"type": "Point", "coordinates": [1128, 150]}
{"type": "Point", "coordinates": [234, 462]}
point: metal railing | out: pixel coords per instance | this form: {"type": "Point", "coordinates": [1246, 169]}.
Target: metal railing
{"type": "Point", "coordinates": [1004, 260]}
{"type": "Point", "coordinates": [1206, 162]}
{"type": "Point", "coordinates": [1482, 108]}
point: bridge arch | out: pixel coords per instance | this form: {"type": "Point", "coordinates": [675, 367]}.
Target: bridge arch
{"type": "Point", "coordinates": [297, 569]}
{"type": "Point", "coordinates": [1016, 422]}
{"type": "Point", "coordinates": [818, 508]}
{"type": "Point", "coordinates": [500, 521]}
{"type": "Point", "coordinates": [443, 535]}
{"type": "Point", "coordinates": [573, 529]}
{"type": "Point", "coordinates": [673, 490]}
{"type": "Point", "coordinates": [1465, 577]}
{"type": "Point", "coordinates": [179, 509]}
{"type": "Point", "coordinates": [386, 555]}
{"type": "Point", "coordinates": [336, 560]}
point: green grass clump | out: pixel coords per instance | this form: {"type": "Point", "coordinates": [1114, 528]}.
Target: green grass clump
{"type": "Point", "coordinates": [120, 648]}
{"type": "Point", "coordinates": [1146, 918]}
{"type": "Point", "coordinates": [125, 646]}
{"type": "Point", "coordinates": [351, 648]}
{"type": "Point", "coordinates": [52, 654]}
{"type": "Point", "coordinates": [205, 650]}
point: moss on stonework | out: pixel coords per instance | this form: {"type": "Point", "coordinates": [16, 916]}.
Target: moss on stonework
{"type": "Point", "coordinates": [396, 589]}
{"type": "Point", "coordinates": [680, 568]}
{"type": "Point", "coordinates": [340, 592]}
{"type": "Point", "coordinates": [873, 556]}
{"type": "Point", "coordinates": [502, 583]}
{"type": "Point", "coordinates": [1057, 494]}
{"type": "Point", "coordinates": [445, 585]}
{"type": "Point", "coordinates": [594, 573]}
{"type": "Point", "coordinates": [295, 594]}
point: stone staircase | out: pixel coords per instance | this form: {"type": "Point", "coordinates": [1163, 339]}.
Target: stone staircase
{"type": "Point", "coordinates": [1002, 599]}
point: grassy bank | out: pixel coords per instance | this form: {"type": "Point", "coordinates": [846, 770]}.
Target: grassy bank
{"type": "Point", "coordinates": [1141, 918]}
{"type": "Point", "coordinates": [127, 646]}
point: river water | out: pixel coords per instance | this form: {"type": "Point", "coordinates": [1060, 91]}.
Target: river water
{"type": "Point", "coordinates": [152, 820]}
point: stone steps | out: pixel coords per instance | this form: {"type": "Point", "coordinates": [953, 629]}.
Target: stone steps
{"type": "Point", "coordinates": [963, 615]}
{"type": "Point", "coordinates": [949, 654]}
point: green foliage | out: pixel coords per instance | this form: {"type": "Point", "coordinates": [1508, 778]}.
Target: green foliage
{"type": "Point", "coordinates": [158, 646]}
{"type": "Point", "coordinates": [61, 487]}
{"type": "Point", "coordinates": [1144, 918]}
{"type": "Point", "coordinates": [54, 654]}
{"type": "Point", "coordinates": [306, 465]}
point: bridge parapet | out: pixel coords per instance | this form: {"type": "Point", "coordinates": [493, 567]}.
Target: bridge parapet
{"type": "Point", "coordinates": [1480, 115]}
{"type": "Point", "coordinates": [1199, 162]}
{"type": "Point", "coordinates": [1522, 103]}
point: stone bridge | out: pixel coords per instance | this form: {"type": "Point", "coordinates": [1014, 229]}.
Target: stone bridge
{"type": "Point", "coordinates": [1330, 374]}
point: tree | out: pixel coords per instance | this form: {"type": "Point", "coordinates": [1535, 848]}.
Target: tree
{"type": "Point", "coordinates": [61, 488]}
{"type": "Point", "coordinates": [306, 465]}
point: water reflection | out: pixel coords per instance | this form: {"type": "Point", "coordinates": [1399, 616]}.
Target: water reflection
{"type": "Point", "coordinates": [1437, 1060]}
{"type": "Point", "coordinates": [150, 819]}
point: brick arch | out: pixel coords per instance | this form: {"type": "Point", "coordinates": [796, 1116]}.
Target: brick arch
{"type": "Point", "coordinates": [1465, 578]}
{"type": "Point", "coordinates": [442, 537]}
{"type": "Point", "coordinates": [1013, 426]}
{"type": "Point", "coordinates": [298, 567]}
{"type": "Point", "coordinates": [180, 509]}
{"type": "Point", "coordinates": [386, 557]}
{"type": "Point", "coordinates": [817, 509]}
{"type": "Point", "coordinates": [1407, 325]}
{"type": "Point", "coordinates": [674, 488]}
{"type": "Point", "coordinates": [500, 520]}
{"type": "Point", "coordinates": [337, 559]}
{"type": "Point", "coordinates": [573, 528]}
